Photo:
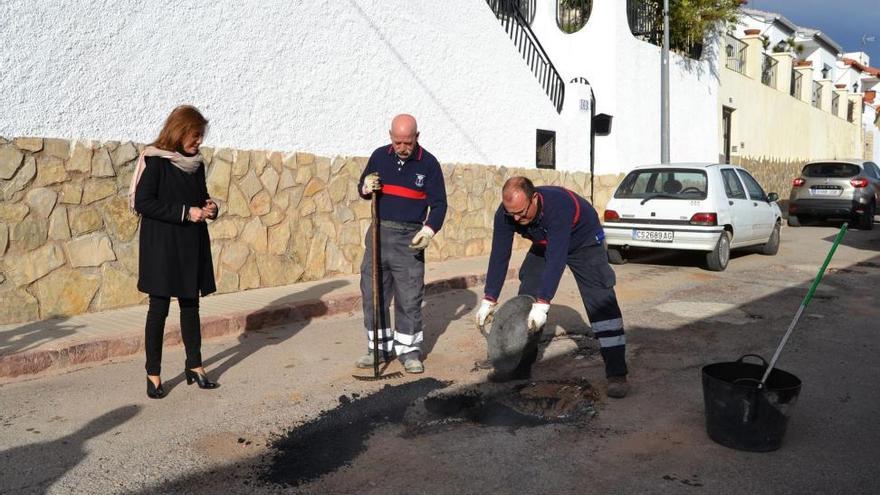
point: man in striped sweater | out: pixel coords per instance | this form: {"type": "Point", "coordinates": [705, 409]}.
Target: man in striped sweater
{"type": "Point", "coordinates": [564, 230]}
{"type": "Point", "coordinates": [412, 207]}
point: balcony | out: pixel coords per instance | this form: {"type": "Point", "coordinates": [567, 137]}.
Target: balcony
{"type": "Point", "coordinates": [735, 54]}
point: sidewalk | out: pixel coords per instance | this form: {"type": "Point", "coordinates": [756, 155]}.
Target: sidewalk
{"type": "Point", "coordinates": [51, 345]}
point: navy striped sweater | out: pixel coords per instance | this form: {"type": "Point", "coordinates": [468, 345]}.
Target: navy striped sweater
{"type": "Point", "coordinates": [413, 191]}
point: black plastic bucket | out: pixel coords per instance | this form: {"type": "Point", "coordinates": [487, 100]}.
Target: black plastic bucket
{"type": "Point", "coordinates": [741, 416]}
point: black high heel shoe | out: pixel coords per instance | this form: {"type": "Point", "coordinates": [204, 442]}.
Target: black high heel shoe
{"type": "Point", "coordinates": [200, 379]}
{"type": "Point", "coordinates": [153, 391]}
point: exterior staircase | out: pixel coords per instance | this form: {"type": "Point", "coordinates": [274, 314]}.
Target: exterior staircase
{"type": "Point", "coordinates": [516, 24]}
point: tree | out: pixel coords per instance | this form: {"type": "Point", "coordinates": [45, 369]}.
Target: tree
{"type": "Point", "coordinates": [691, 21]}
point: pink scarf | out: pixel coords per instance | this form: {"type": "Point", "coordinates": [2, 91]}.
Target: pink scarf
{"type": "Point", "coordinates": [188, 164]}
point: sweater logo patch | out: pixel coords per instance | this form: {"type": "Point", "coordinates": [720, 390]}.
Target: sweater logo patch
{"type": "Point", "coordinates": [420, 180]}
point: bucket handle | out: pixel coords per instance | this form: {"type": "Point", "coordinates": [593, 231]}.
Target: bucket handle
{"type": "Point", "coordinates": [740, 360]}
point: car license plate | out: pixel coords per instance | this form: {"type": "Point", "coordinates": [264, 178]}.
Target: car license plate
{"type": "Point", "coordinates": [825, 192]}
{"type": "Point", "coordinates": [653, 235]}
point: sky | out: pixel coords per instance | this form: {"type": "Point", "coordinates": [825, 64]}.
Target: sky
{"type": "Point", "coordinates": [844, 21]}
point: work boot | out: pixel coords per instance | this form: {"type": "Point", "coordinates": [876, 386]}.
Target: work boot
{"type": "Point", "coordinates": [366, 361]}
{"type": "Point", "coordinates": [617, 387]}
{"type": "Point", "coordinates": [412, 363]}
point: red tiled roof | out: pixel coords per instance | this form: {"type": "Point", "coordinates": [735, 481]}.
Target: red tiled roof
{"type": "Point", "coordinates": [869, 97]}
{"type": "Point", "coordinates": [864, 68]}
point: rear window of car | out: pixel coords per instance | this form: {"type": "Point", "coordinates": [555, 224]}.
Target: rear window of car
{"type": "Point", "coordinates": [831, 170]}
{"type": "Point", "coordinates": [668, 183]}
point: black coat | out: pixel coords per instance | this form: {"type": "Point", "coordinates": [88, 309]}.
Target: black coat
{"type": "Point", "coordinates": [175, 254]}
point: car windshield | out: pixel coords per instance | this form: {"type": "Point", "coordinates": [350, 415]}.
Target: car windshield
{"type": "Point", "coordinates": [663, 183]}
{"type": "Point", "coordinates": [831, 170]}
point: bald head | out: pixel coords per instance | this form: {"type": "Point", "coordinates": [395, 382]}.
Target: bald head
{"type": "Point", "coordinates": [517, 184]}
{"type": "Point", "coordinates": [404, 135]}
{"type": "Point", "coordinates": [404, 124]}
{"type": "Point", "coordinates": [518, 199]}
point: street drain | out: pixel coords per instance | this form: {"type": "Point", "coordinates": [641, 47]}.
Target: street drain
{"type": "Point", "coordinates": [524, 405]}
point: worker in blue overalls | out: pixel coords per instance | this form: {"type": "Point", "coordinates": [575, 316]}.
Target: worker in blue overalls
{"type": "Point", "coordinates": [564, 230]}
{"type": "Point", "coordinates": [412, 207]}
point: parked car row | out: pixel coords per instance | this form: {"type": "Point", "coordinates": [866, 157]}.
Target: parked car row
{"type": "Point", "coordinates": [713, 208]}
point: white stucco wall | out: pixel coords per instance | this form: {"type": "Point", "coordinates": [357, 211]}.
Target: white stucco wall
{"type": "Point", "coordinates": [820, 58]}
{"type": "Point", "coordinates": [805, 132]}
{"type": "Point", "coordinates": [625, 76]}
{"type": "Point", "coordinates": [319, 75]}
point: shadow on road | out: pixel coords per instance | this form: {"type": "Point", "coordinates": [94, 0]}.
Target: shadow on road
{"type": "Point", "coordinates": [33, 468]}
{"type": "Point", "coordinates": [294, 318]}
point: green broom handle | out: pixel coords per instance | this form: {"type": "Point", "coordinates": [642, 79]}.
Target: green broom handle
{"type": "Point", "coordinates": [803, 306]}
{"type": "Point", "coordinates": [824, 266]}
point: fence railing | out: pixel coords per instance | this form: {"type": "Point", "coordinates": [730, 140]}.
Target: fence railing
{"type": "Point", "coordinates": [835, 103]}
{"type": "Point", "coordinates": [735, 54]}
{"type": "Point", "coordinates": [645, 19]}
{"type": "Point", "coordinates": [796, 81]}
{"type": "Point", "coordinates": [572, 15]}
{"type": "Point", "coordinates": [817, 94]}
{"type": "Point", "coordinates": [517, 27]}
{"type": "Point", "coordinates": [768, 70]}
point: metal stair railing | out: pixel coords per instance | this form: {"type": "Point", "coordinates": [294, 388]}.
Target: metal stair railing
{"type": "Point", "coordinates": [517, 27]}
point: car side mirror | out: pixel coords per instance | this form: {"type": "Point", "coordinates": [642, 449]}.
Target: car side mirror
{"type": "Point", "coordinates": [772, 198]}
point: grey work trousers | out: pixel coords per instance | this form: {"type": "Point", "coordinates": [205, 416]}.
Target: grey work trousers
{"type": "Point", "coordinates": [402, 277]}
{"type": "Point", "coordinates": [595, 280]}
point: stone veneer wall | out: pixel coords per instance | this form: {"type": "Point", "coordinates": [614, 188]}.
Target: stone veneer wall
{"type": "Point", "coordinates": [69, 244]}
{"type": "Point", "coordinates": [774, 175]}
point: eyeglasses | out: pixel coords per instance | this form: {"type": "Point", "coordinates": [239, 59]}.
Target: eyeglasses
{"type": "Point", "coordinates": [522, 212]}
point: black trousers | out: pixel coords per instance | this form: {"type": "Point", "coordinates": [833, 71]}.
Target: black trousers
{"type": "Point", "coordinates": [190, 331]}
{"type": "Point", "coordinates": [595, 280]}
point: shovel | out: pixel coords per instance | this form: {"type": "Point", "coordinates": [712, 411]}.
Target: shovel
{"type": "Point", "coordinates": [374, 228]}
{"type": "Point", "coordinates": [803, 305]}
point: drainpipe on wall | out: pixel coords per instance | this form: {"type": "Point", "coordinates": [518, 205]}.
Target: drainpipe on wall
{"type": "Point", "coordinates": [664, 87]}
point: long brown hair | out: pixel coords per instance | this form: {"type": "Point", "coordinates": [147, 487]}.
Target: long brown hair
{"type": "Point", "coordinates": [183, 120]}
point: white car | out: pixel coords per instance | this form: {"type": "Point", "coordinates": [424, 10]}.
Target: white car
{"type": "Point", "coordinates": [692, 206]}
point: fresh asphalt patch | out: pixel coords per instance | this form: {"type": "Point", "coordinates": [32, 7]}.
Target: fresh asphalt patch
{"type": "Point", "coordinates": [337, 437]}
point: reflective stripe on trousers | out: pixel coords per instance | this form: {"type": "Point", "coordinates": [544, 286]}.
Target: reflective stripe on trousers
{"type": "Point", "coordinates": [402, 272]}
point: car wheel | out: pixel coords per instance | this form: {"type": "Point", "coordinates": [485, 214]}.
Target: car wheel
{"type": "Point", "coordinates": [615, 256]}
{"type": "Point", "coordinates": [771, 247]}
{"type": "Point", "coordinates": [794, 221]}
{"type": "Point", "coordinates": [866, 221]}
{"type": "Point", "coordinates": [717, 259]}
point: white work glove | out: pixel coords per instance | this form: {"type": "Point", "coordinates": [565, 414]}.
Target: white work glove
{"type": "Point", "coordinates": [538, 316]}
{"type": "Point", "coordinates": [371, 183]}
{"type": "Point", "coordinates": [421, 240]}
{"type": "Point", "coordinates": [484, 314]}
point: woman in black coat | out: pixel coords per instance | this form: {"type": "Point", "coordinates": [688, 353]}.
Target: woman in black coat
{"type": "Point", "coordinates": [170, 194]}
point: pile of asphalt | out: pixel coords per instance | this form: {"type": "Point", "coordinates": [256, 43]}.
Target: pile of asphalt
{"type": "Point", "coordinates": [337, 437]}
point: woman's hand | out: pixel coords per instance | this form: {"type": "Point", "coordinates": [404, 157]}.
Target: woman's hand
{"type": "Point", "coordinates": [196, 214]}
{"type": "Point", "coordinates": [210, 209]}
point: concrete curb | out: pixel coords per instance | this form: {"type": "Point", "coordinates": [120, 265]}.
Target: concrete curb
{"type": "Point", "coordinates": [131, 341]}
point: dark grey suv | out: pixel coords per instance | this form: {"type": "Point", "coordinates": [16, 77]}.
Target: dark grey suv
{"type": "Point", "coordinates": [848, 189]}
